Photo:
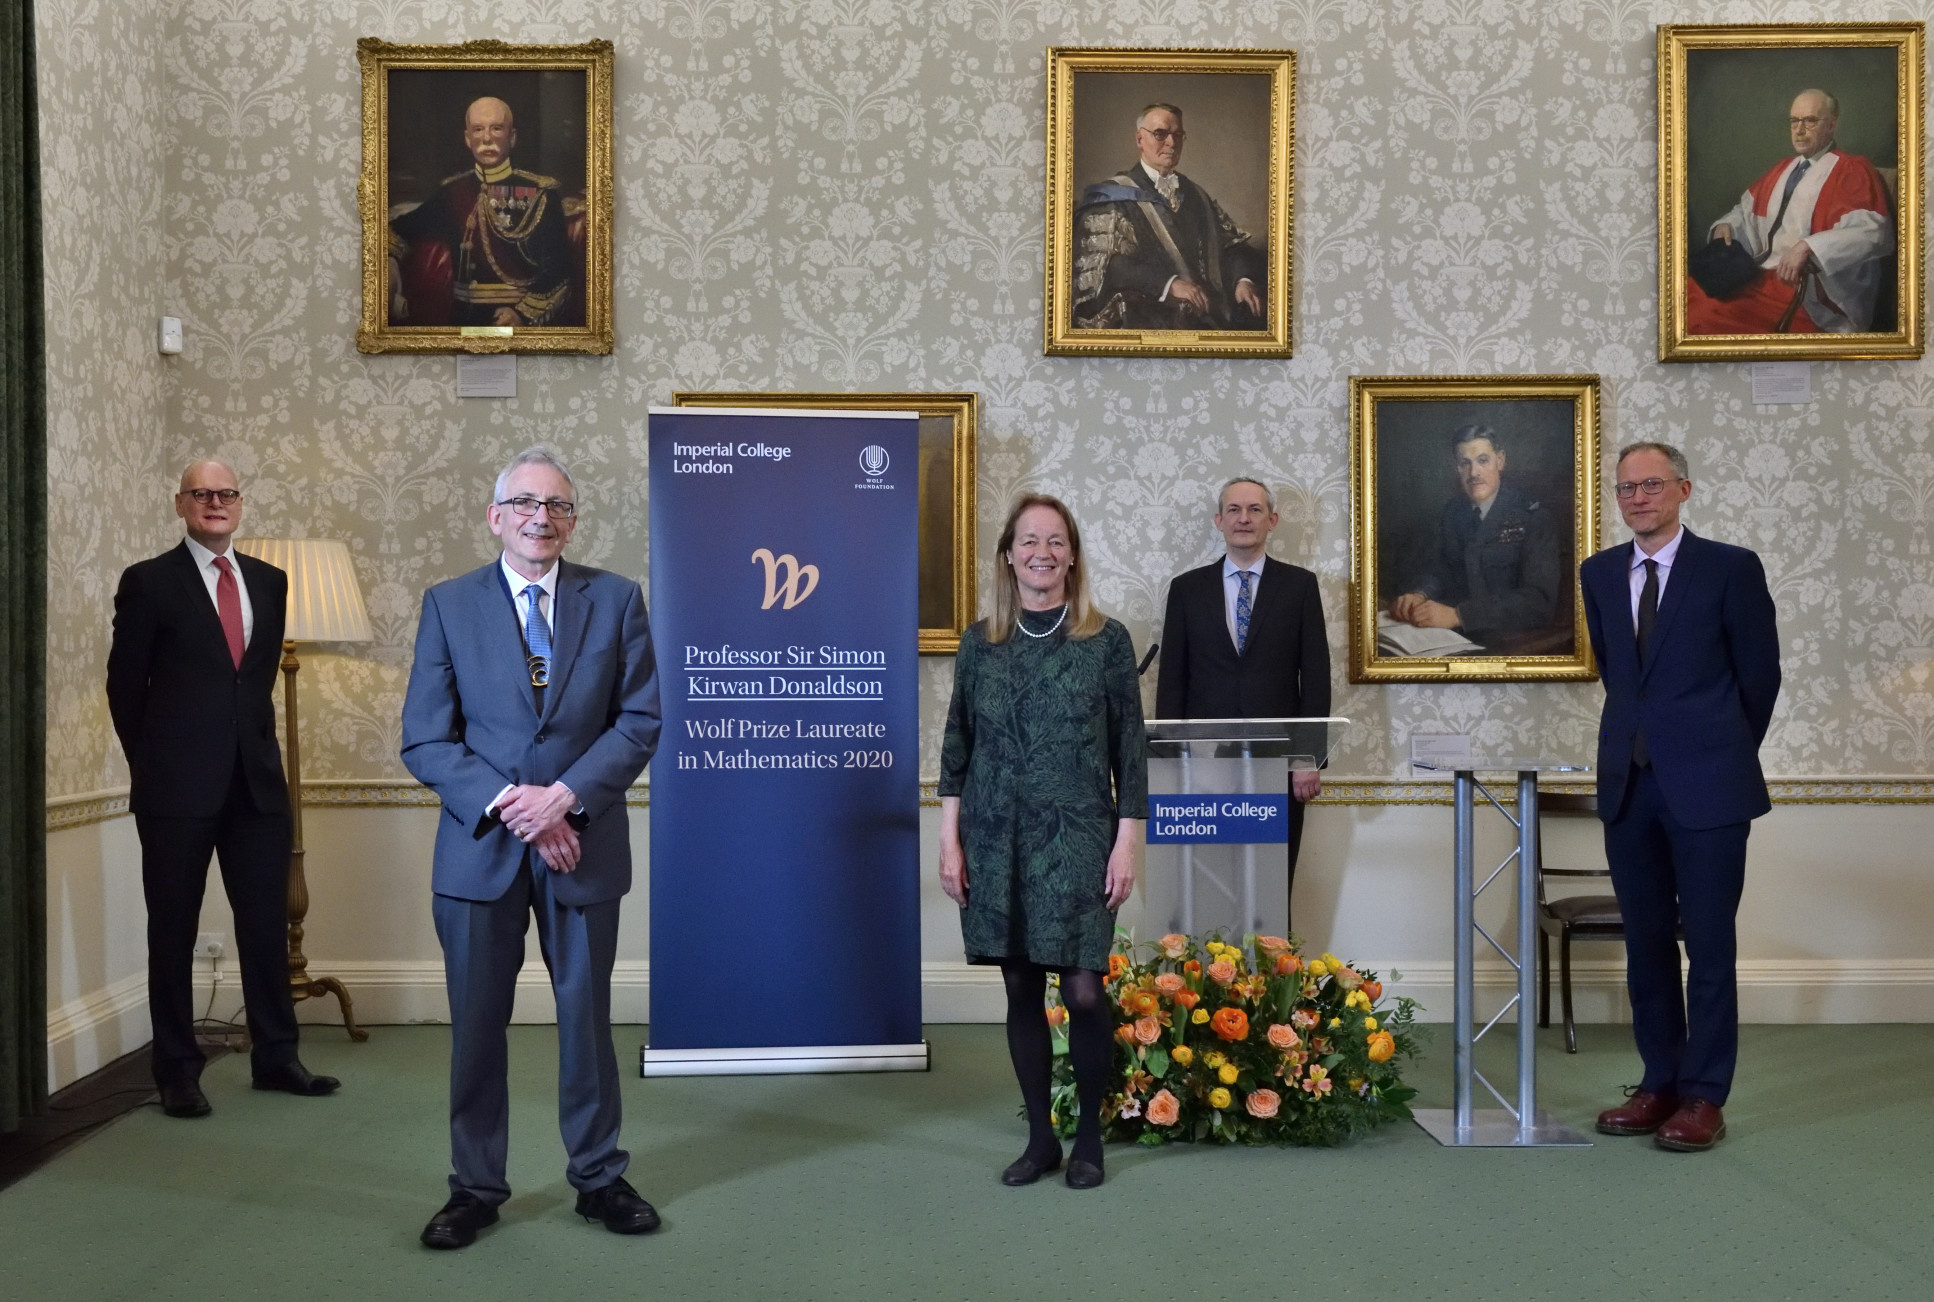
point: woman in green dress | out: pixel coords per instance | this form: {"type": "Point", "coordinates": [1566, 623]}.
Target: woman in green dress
{"type": "Point", "coordinates": [1043, 786]}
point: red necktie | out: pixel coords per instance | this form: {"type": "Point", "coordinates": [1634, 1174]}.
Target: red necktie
{"type": "Point", "coordinates": [228, 604]}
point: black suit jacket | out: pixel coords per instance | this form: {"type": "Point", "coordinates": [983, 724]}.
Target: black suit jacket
{"type": "Point", "coordinates": [1284, 672]}
{"type": "Point", "coordinates": [183, 711]}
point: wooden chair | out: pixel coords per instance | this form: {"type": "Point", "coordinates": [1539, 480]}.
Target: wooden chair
{"type": "Point", "coordinates": [1592, 917]}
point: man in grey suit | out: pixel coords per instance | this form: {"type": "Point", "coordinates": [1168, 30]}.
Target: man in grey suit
{"type": "Point", "coordinates": [532, 706]}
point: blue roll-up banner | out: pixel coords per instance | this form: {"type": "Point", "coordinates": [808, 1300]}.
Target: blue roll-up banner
{"type": "Point", "coordinates": [1234, 819]}
{"type": "Point", "coordinates": [785, 797]}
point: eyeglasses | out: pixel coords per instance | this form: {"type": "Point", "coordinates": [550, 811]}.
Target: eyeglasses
{"type": "Point", "coordinates": [1808, 123]}
{"type": "Point", "coordinates": [555, 507]}
{"type": "Point", "coordinates": [226, 496]}
{"type": "Point", "coordinates": [1161, 137]}
{"type": "Point", "coordinates": [1650, 487]}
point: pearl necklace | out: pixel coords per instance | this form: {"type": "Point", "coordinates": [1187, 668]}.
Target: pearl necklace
{"type": "Point", "coordinates": [1022, 625]}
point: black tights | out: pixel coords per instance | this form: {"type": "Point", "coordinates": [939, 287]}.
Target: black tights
{"type": "Point", "coordinates": [1090, 1045]}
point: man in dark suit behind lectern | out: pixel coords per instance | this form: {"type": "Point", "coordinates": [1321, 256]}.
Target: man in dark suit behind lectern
{"type": "Point", "coordinates": [1687, 644]}
{"type": "Point", "coordinates": [1244, 638]}
{"type": "Point", "coordinates": [190, 686]}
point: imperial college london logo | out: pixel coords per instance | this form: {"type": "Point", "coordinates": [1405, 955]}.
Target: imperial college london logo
{"type": "Point", "coordinates": [874, 460]}
{"type": "Point", "coordinates": [790, 586]}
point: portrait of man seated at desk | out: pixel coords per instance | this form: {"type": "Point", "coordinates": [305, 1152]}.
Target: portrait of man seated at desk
{"type": "Point", "coordinates": [1487, 569]}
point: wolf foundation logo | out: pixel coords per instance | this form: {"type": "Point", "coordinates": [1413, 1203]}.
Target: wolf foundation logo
{"type": "Point", "coordinates": [789, 589]}
{"type": "Point", "coordinates": [874, 460]}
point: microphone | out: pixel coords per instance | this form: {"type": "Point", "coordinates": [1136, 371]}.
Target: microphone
{"type": "Point", "coordinates": [1148, 659]}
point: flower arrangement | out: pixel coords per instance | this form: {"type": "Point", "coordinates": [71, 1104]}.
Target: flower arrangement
{"type": "Point", "coordinates": [1246, 1043]}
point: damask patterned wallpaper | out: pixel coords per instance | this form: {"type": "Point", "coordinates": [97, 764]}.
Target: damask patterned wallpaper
{"type": "Point", "coordinates": [828, 194]}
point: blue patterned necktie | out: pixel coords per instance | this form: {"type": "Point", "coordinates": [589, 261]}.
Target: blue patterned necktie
{"type": "Point", "coordinates": [537, 641]}
{"type": "Point", "coordinates": [1242, 610]}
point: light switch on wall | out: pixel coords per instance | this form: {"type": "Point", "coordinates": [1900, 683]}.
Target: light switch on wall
{"type": "Point", "coordinates": [170, 341]}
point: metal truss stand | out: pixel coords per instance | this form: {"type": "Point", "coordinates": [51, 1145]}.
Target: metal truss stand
{"type": "Point", "coordinates": [1523, 1126]}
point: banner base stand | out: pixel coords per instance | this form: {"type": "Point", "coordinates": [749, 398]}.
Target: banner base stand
{"type": "Point", "coordinates": [782, 1061]}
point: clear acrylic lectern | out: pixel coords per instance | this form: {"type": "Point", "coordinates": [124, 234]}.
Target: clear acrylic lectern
{"type": "Point", "coordinates": [1218, 851]}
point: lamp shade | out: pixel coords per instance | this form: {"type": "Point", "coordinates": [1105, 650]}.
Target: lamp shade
{"type": "Point", "coordinates": [325, 603]}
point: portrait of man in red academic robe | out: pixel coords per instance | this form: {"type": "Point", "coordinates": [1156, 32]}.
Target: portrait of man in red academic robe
{"type": "Point", "coordinates": [1807, 248]}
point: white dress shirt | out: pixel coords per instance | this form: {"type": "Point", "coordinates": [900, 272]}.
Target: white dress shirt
{"type": "Point", "coordinates": [1664, 556]}
{"type": "Point", "coordinates": [211, 574]}
{"type": "Point", "coordinates": [519, 604]}
{"type": "Point", "coordinates": [1232, 588]}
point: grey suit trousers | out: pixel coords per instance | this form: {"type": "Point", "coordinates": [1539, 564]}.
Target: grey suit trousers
{"type": "Point", "coordinates": [483, 950]}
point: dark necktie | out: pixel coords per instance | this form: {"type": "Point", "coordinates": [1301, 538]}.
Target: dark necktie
{"type": "Point", "coordinates": [1647, 617]}
{"type": "Point", "coordinates": [1792, 184]}
{"type": "Point", "coordinates": [1243, 610]}
{"type": "Point", "coordinates": [228, 605]}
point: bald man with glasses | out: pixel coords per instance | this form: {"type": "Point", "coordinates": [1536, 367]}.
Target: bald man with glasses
{"type": "Point", "coordinates": [190, 685]}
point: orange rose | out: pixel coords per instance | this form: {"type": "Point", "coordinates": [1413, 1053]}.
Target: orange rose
{"type": "Point", "coordinates": [1230, 1024]}
{"type": "Point", "coordinates": [1282, 1037]}
{"type": "Point", "coordinates": [1126, 1034]}
{"type": "Point", "coordinates": [1168, 983]}
{"type": "Point", "coordinates": [1186, 998]}
{"type": "Point", "coordinates": [1263, 1103]}
{"type": "Point", "coordinates": [1174, 945]}
{"type": "Point", "coordinates": [1373, 990]}
{"type": "Point", "coordinates": [1117, 966]}
{"type": "Point", "coordinates": [1348, 978]}
{"type": "Point", "coordinates": [1222, 971]}
{"type": "Point", "coordinates": [1382, 1046]}
{"type": "Point", "coordinates": [1271, 944]}
{"type": "Point", "coordinates": [1057, 1015]}
{"type": "Point", "coordinates": [1288, 965]}
{"type": "Point", "coordinates": [1164, 1109]}
{"type": "Point", "coordinates": [1147, 1030]}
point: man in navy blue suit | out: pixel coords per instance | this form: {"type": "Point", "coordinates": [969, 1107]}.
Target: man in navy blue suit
{"type": "Point", "coordinates": [532, 706]}
{"type": "Point", "coordinates": [1688, 647]}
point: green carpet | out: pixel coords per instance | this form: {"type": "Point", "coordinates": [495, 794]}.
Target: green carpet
{"type": "Point", "coordinates": [883, 1187]}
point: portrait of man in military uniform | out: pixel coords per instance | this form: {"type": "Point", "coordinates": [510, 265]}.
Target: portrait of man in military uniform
{"type": "Point", "coordinates": [1494, 569]}
{"type": "Point", "coordinates": [486, 201]}
{"type": "Point", "coordinates": [490, 239]}
{"type": "Point", "coordinates": [1472, 499]}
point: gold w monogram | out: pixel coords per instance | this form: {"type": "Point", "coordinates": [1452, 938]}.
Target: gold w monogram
{"type": "Point", "coordinates": [789, 589]}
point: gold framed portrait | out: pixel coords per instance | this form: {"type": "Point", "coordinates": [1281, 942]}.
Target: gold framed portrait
{"type": "Point", "coordinates": [1790, 191]}
{"type": "Point", "coordinates": [1473, 500]}
{"type": "Point", "coordinates": [1147, 257]}
{"type": "Point", "coordinates": [948, 423]}
{"type": "Point", "coordinates": [486, 197]}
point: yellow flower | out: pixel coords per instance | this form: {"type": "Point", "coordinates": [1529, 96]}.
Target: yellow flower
{"type": "Point", "coordinates": [1199, 1016]}
{"type": "Point", "coordinates": [1335, 1022]}
{"type": "Point", "coordinates": [1318, 969]}
{"type": "Point", "coordinates": [1227, 1073]}
{"type": "Point", "coordinates": [1182, 1054]}
{"type": "Point", "coordinates": [1357, 999]}
{"type": "Point", "coordinates": [1219, 1098]}
{"type": "Point", "coordinates": [1214, 947]}
{"type": "Point", "coordinates": [1332, 961]}
{"type": "Point", "coordinates": [1369, 1023]}
{"type": "Point", "coordinates": [1214, 1060]}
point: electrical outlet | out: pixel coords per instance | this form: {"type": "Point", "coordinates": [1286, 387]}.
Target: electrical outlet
{"type": "Point", "coordinates": [210, 944]}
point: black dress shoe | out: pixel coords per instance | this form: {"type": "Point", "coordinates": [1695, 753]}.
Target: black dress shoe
{"type": "Point", "coordinates": [294, 1078]}
{"type": "Point", "coordinates": [619, 1207]}
{"type": "Point", "coordinates": [184, 1100]}
{"type": "Point", "coordinates": [457, 1224]}
{"type": "Point", "coordinates": [1083, 1174]}
{"type": "Point", "coordinates": [1026, 1169]}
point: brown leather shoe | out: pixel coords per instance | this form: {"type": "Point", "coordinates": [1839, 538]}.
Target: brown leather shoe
{"type": "Point", "coordinates": [1641, 1114]}
{"type": "Point", "coordinates": [1693, 1128]}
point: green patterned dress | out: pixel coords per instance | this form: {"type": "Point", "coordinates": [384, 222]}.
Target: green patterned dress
{"type": "Point", "coordinates": [1045, 749]}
